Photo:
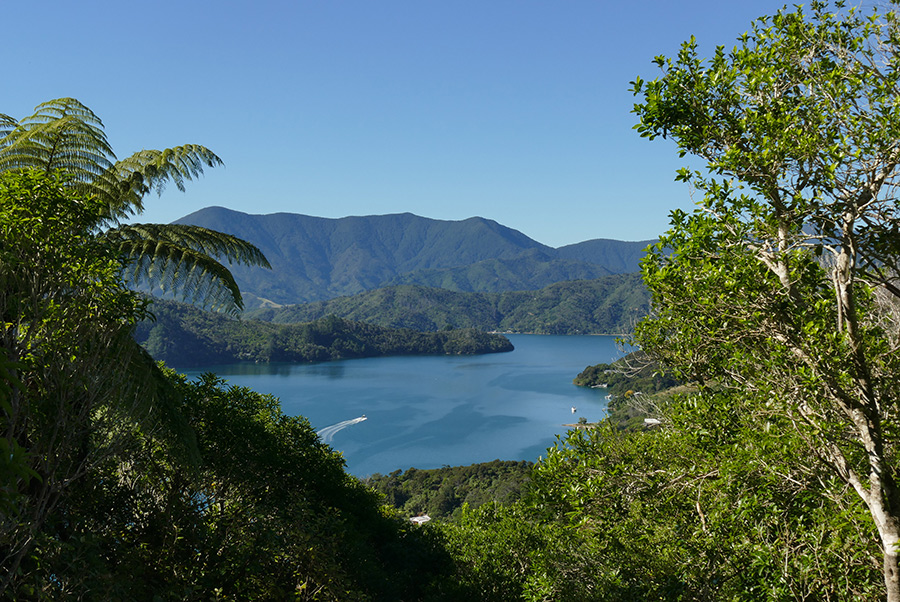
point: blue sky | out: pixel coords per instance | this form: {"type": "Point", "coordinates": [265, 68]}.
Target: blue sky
{"type": "Point", "coordinates": [517, 111]}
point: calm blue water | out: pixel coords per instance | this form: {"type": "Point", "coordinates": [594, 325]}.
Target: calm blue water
{"type": "Point", "coordinates": [433, 411]}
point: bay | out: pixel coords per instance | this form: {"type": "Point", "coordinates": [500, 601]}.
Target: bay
{"type": "Point", "coordinates": [432, 411]}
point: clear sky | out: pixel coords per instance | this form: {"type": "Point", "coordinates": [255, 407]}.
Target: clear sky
{"type": "Point", "coordinates": [513, 110]}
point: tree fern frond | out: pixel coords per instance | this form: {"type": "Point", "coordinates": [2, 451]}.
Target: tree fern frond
{"type": "Point", "coordinates": [7, 124]}
{"type": "Point", "coordinates": [127, 181]}
{"type": "Point", "coordinates": [189, 273]}
{"type": "Point", "coordinates": [61, 135]}
{"type": "Point", "coordinates": [64, 135]}
{"type": "Point", "coordinates": [219, 245]}
{"type": "Point", "coordinates": [64, 107]}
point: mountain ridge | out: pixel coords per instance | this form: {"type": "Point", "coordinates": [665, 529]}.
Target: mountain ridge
{"type": "Point", "coordinates": [317, 258]}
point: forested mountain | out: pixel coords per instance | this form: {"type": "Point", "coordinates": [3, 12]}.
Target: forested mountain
{"type": "Point", "coordinates": [531, 270]}
{"type": "Point", "coordinates": [315, 258]}
{"type": "Point", "coordinates": [619, 257]}
{"type": "Point", "coordinates": [183, 335]}
{"type": "Point", "coordinates": [607, 305]}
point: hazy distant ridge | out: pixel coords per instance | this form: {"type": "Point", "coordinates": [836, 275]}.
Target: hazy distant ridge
{"type": "Point", "coordinates": [315, 258]}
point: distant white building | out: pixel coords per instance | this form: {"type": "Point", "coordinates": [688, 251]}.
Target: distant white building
{"type": "Point", "coordinates": [420, 519]}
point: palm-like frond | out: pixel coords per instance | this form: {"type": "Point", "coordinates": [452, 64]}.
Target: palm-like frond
{"type": "Point", "coordinates": [184, 259]}
{"type": "Point", "coordinates": [126, 182]}
{"type": "Point", "coordinates": [64, 135]}
{"type": "Point", "coordinates": [7, 124]}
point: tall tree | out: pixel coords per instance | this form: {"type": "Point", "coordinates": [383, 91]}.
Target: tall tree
{"type": "Point", "coordinates": [66, 136]}
{"type": "Point", "coordinates": [783, 282]}
{"type": "Point", "coordinates": [74, 380]}
{"type": "Point", "coordinates": [69, 358]}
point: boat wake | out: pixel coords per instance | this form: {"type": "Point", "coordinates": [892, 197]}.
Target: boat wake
{"type": "Point", "coordinates": [328, 433]}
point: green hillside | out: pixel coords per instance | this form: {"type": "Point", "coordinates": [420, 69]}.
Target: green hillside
{"type": "Point", "coordinates": [531, 270]}
{"type": "Point", "coordinates": [315, 258]}
{"type": "Point", "coordinates": [619, 257]}
{"type": "Point", "coordinates": [184, 336]}
{"type": "Point", "coordinates": [607, 305]}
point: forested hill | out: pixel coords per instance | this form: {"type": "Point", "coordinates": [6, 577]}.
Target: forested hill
{"type": "Point", "coordinates": [185, 336]}
{"type": "Point", "coordinates": [316, 258]}
{"type": "Point", "coordinates": [608, 305]}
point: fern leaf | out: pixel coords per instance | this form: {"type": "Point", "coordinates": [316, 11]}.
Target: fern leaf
{"type": "Point", "coordinates": [64, 135]}
{"type": "Point", "coordinates": [184, 260]}
{"type": "Point", "coordinates": [127, 181]}
{"type": "Point", "coordinates": [61, 135]}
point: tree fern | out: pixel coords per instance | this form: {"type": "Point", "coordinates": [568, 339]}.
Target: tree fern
{"type": "Point", "coordinates": [7, 124]}
{"type": "Point", "coordinates": [65, 136]}
{"type": "Point", "coordinates": [62, 135]}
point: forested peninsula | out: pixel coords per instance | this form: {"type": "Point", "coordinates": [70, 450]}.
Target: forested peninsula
{"type": "Point", "coordinates": [185, 336]}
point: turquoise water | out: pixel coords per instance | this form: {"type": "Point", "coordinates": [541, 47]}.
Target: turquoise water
{"type": "Point", "coordinates": [433, 411]}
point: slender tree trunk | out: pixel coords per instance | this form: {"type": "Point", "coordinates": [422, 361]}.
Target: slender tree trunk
{"type": "Point", "coordinates": [889, 531]}
{"type": "Point", "coordinates": [891, 573]}
{"type": "Point", "coordinates": [881, 500]}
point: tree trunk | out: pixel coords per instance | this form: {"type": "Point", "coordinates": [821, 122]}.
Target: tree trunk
{"type": "Point", "coordinates": [888, 526]}
{"type": "Point", "coordinates": [891, 573]}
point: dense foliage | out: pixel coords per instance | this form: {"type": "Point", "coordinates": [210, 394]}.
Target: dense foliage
{"type": "Point", "coordinates": [773, 476]}
{"type": "Point", "coordinates": [443, 492]}
{"type": "Point", "coordinates": [264, 511]}
{"type": "Point", "coordinates": [64, 314]}
{"type": "Point", "coordinates": [184, 336]}
{"type": "Point", "coordinates": [705, 506]}
{"type": "Point", "coordinates": [708, 507]}
{"type": "Point", "coordinates": [609, 305]}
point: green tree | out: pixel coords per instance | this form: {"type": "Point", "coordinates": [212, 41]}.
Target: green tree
{"type": "Point", "coordinates": [507, 552]}
{"type": "Point", "coordinates": [68, 354]}
{"type": "Point", "coordinates": [64, 135]}
{"type": "Point", "coordinates": [266, 513]}
{"type": "Point", "coordinates": [711, 507]}
{"type": "Point", "coordinates": [783, 283]}
{"type": "Point", "coordinates": [67, 316]}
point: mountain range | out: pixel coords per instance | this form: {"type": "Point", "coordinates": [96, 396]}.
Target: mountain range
{"type": "Point", "coordinates": [316, 258]}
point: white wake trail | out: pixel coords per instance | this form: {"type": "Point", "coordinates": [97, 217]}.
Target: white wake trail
{"type": "Point", "coordinates": [328, 433]}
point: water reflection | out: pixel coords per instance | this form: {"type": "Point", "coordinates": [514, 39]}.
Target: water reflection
{"type": "Point", "coordinates": [331, 370]}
